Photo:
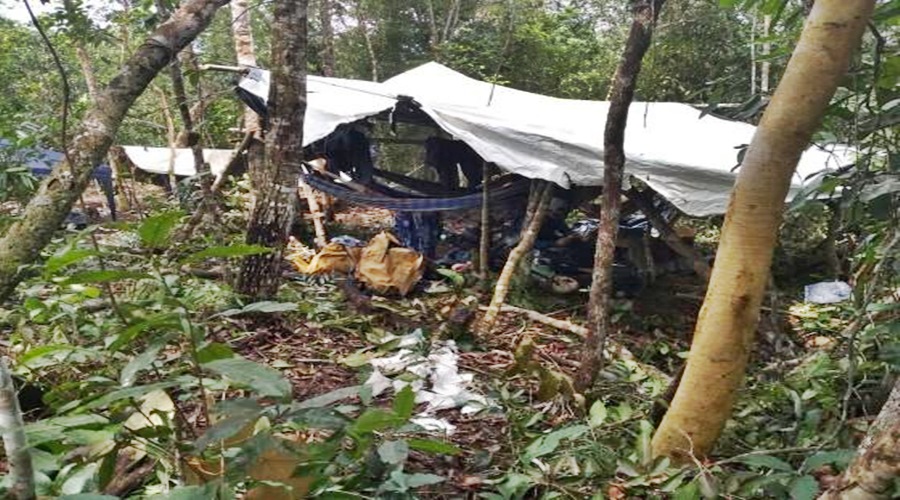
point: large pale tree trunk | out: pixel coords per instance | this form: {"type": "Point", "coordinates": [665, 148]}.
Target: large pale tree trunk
{"type": "Point", "coordinates": [24, 240]}
{"type": "Point", "coordinates": [621, 94]}
{"type": "Point", "coordinates": [872, 474]}
{"type": "Point", "coordinates": [730, 313]}
{"type": "Point", "coordinates": [275, 205]}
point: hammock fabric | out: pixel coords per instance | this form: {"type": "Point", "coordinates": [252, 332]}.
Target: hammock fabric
{"type": "Point", "coordinates": [498, 194]}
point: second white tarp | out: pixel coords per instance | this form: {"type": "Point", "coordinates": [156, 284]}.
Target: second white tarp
{"type": "Point", "coordinates": [180, 160]}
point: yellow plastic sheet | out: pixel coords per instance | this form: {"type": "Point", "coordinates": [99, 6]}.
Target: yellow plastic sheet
{"type": "Point", "coordinates": [382, 265]}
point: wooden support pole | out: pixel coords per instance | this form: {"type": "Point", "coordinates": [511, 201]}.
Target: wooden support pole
{"type": "Point", "coordinates": [645, 204]}
{"type": "Point", "coordinates": [483, 257]}
{"type": "Point", "coordinates": [539, 202]}
{"type": "Point", "coordinates": [316, 212]}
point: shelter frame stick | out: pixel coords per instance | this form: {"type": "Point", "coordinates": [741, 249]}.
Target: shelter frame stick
{"type": "Point", "coordinates": [316, 212]}
{"type": "Point", "coordinates": [669, 236]}
{"type": "Point", "coordinates": [539, 202]}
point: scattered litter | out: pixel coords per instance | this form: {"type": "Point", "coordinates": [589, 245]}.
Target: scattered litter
{"type": "Point", "coordinates": [432, 424]}
{"type": "Point", "coordinates": [827, 292]}
{"type": "Point", "coordinates": [436, 380]}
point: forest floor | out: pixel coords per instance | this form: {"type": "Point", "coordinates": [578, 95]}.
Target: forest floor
{"type": "Point", "coordinates": [325, 344]}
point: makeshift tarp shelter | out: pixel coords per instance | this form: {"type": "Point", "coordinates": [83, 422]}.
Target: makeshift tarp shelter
{"type": "Point", "coordinates": [687, 158]}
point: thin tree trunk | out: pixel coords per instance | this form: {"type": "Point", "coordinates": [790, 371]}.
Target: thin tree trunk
{"type": "Point", "coordinates": [12, 430]}
{"type": "Point", "coordinates": [766, 64]}
{"type": "Point", "coordinates": [485, 243]}
{"type": "Point", "coordinates": [621, 95]}
{"type": "Point", "coordinates": [246, 57]}
{"type": "Point", "coordinates": [753, 56]}
{"type": "Point", "coordinates": [326, 20]}
{"type": "Point", "coordinates": [171, 137]}
{"type": "Point", "coordinates": [275, 206]}
{"type": "Point", "coordinates": [872, 474]}
{"type": "Point", "coordinates": [542, 193]}
{"type": "Point", "coordinates": [24, 240]}
{"type": "Point", "coordinates": [724, 333]}
{"type": "Point", "coordinates": [370, 48]}
{"type": "Point", "coordinates": [432, 28]}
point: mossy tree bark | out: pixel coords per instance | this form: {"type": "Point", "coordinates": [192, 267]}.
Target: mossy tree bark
{"type": "Point", "coordinates": [24, 240]}
{"type": "Point", "coordinates": [275, 204]}
{"type": "Point", "coordinates": [15, 444]}
{"type": "Point", "coordinates": [872, 474]}
{"type": "Point", "coordinates": [621, 95]}
{"type": "Point", "coordinates": [730, 312]}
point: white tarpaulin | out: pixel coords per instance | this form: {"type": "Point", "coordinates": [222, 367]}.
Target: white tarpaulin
{"type": "Point", "coordinates": [330, 102]}
{"type": "Point", "coordinates": [687, 159]}
{"type": "Point", "coordinates": [158, 160]}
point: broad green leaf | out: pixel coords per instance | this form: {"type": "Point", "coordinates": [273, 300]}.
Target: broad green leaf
{"type": "Point", "coordinates": [839, 458]}
{"type": "Point", "coordinates": [165, 321]}
{"type": "Point", "coordinates": [404, 402]}
{"type": "Point", "coordinates": [45, 350]}
{"type": "Point", "coordinates": [645, 436]}
{"type": "Point", "coordinates": [432, 446]}
{"type": "Point", "coordinates": [757, 484]}
{"type": "Point", "coordinates": [105, 276]}
{"type": "Point", "coordinates": [262, 379]}
{"type": "Point", "coordinates": [515, 485]}
{"type": "Point", "coordinates": [58, 428]}
{"type": "Point", "coordinates": [206, 492]}
{"type": "Point", "coordinates": [155, 231]}
{"type": "Point", "coordinates": [373, 420]}
{"type": "Point", "coordinates": [766, 461]}
{"type": "Point", "coordinates": [127, 393]}
{"type": "Point", "coordinates": [598, 414]}
{"type": "Point", "coordinates": [71, 256]}
{"type": "Point", "coordinates": [419, 480]}
{"type": "Point", "coordinates": [228, 426]}
{"type": "Point", "coordinates": [548, 443]}
{"type": "Point", "coordinates": [454, 277]}
{"type": "Point", "coordinates": [214, 351]}
{"type": "Point", "coordinates": [139, 363]}
{"type": "Point", "coordinates": [393, 452]}
{"type": "Point", "coordinates": [709, 486]}
{"type": "Point", "coordinates": [239, 250]}
{"type": "Point", "coordinates": [804, 488]}
{"type": "Point", "coordinates": [690, 491]}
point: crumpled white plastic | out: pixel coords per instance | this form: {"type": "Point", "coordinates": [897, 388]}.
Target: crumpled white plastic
{"type": "Point", "coordinates": [438, 383]}
{"type": "Point", "coordinates": [827, 292]}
